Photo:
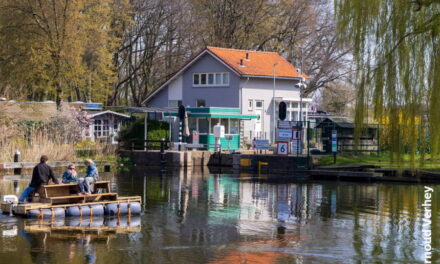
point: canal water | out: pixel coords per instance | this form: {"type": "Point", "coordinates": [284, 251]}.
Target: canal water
{"type": "Point", "coordinates": [205, 217]}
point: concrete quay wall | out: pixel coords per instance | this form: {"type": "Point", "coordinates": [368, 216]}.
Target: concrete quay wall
{"type": "Point", "coordinates": [245, 162]}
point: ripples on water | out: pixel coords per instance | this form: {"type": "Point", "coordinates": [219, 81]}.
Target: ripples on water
{"type": "Point", "coordinates": [198, 217]}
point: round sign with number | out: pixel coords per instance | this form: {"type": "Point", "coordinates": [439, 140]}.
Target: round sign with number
{"type": "Point", "coordinates": [282, 148]}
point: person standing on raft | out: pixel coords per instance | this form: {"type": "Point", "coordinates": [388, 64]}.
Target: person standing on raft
{"type": "Point", "coordinates": [85, 184]}
{"type": "Point", "coordinates": [41, 175]}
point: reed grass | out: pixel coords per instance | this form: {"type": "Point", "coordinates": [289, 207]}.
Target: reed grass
{"type": "Point", "coordinates": [48, 142]}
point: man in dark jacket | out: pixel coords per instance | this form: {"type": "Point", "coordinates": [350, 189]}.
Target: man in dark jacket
{"type": "Point", "coordinates": [41, 175]}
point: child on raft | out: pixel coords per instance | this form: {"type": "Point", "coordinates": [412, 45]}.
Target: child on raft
{"type": "Point", "coordinates": [85, 184]}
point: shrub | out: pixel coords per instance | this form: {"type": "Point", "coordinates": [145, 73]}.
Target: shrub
{"type": "Point", "coordinates": [135, 130]}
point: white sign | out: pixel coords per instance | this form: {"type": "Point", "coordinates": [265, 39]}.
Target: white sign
{"type": "Point", "coordinates": [296, 147]}
{"type": "Point", "coordinates": [285, 133]}
{"type": "Point", "coordinates": [283, 124]}
{"type": "Point", "coordinates": [261, 144]}
{"type": "Point", "coordinates": [287, 124]}
{"type": "Point", "coordinates": [334, 141]}
{"type": "Point", "coordinates": [283, 148]}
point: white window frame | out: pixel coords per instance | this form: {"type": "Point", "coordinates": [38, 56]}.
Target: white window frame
{"type": "Point", "coordinates": [104, 129]}
{"type": "Point", "coordinates": [215, 75]}
{"type": "Point", "coordinates": [97, 128]}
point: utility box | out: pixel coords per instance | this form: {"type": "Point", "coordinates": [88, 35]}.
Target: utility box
{"type": "Point", "coordinates": [219, 131]}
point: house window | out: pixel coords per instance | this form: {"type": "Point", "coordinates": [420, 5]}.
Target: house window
{"type": "Point", "coordinates": [234, 126]}
{"type": "Point", "coordinates": [259, 104]}
{"type": "Point", "coordinates": [105, 128]}
{"type": "Point", "coordinates": [225, 78]}
{"type": "Point", "coordinates": [102, 128]}
{"type": "Point", "coordinates": [251, 105]}
{"type": "Point", "coordinates": [174, 103]}
{"type": "Point", "coordinates": [218, 78]}
{"type": "Point", "coordinates": [211, 79]}
{"type": "Point", "coordinates": [196, 79]}
{"type": "Point", "coordinates": [192, 124]}
{"type": "Point", "coordinates": [203, 78]}
{"type": "Point", "coordinates": [203, 126]}
{"type": "Point", "coordinates": [295, 116]}
{"type": "Point", "coordinates": [225, 123]}
{"type": "Point", "coordinates": [98, 128]}
{"type": "Point", "coordinates": [201, 103]}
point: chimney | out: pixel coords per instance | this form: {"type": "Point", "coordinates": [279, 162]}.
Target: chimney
{"type": "Point", "coordinates": [247, 56]}
{"type": "Point", "coordinates": [241, 62]}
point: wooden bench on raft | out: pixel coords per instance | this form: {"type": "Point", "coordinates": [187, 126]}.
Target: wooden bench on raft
{"type": "Point", "coordinates": [67, 193]}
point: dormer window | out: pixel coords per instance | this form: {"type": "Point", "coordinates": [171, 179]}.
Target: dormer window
{"type": "Point", "coordinates": [211, 79]}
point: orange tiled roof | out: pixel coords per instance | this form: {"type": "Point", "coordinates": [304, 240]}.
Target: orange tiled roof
{"type": "Point", "coordinates": [260, 63]}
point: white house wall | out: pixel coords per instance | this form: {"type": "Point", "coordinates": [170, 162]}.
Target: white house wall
{"type": "Point", "coordinates": [262, 89]}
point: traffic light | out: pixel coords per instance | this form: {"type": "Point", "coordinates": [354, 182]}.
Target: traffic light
{"type": "Point", "coordinates": [182, 111]}
{"type": "Point", "coordinates": [282, 110]}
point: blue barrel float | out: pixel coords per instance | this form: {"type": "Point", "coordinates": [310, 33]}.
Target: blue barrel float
{"type": "Point", "coordinates": [56, 212]}
{"type": "Point", "coordinates": [111, 209]}
{"type": "Point", "coordinates": [122, 208]}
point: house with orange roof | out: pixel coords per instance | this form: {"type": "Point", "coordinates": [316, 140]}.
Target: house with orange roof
{"type": "Point", "coordinates": [243, 80]}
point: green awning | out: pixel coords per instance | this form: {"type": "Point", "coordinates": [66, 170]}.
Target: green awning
{"type": "Point", "coordinates": [217, 115]}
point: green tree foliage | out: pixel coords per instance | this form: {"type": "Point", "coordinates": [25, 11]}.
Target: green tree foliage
{"type": "Point", "coordinates": [58, 49]}
{"type": "Point", "coordinates": [119, 51]}
{"type": "Point", "coordinates": [396, 50]}
{"type": "Point", "coordinates": [165, 34]}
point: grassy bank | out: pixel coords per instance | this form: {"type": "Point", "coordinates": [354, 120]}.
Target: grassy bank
{"type": "Point", "coordinates": [383, 161]}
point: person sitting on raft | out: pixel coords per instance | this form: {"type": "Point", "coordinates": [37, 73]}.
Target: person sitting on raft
{"type": "Point", "coordinates": [70, 175]}
{"type": "Point", "coordinates": [41, 175]}
{"type": "Point", "coordinates": [85, 184]}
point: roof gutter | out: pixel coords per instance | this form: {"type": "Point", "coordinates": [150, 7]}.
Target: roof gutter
{"type": "Point", "coordinates": [271, 77]}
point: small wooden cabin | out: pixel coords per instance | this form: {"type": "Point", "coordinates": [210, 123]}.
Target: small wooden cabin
{"type": "Point", "coordinates": [369, 141]}
{"type": "Point", "coordinates": [105, 126]}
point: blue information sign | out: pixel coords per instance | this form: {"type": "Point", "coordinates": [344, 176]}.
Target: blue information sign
{"type": "Point", "coordinates": [334, 141]}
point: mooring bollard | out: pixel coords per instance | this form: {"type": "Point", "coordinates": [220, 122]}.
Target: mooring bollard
{"type": "Point", "coordinates": [162, 151]}
{"type": "Point", "coordinates": [17, 155]}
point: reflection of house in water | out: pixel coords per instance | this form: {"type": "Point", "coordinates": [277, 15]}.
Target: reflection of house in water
{"type": "Point", "coordinates": [263, 204]}
{"type": "Point", "coordinates": [212, 222]}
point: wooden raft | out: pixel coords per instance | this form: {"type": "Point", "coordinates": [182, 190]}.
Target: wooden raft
{"type": "Point", "coordinates": [81, 229]}
{"type": "Point", "coordinates": [66, 195]}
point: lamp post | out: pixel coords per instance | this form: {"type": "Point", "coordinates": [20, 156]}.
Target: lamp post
{"type": "Point", "coordinates": [301, 86]}
{"type": "Point", "coordinates": [273, 99]}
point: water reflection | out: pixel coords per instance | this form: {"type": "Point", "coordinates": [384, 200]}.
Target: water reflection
{"type": "Point", "coordinates": [199, 217]}
{"type": "Point", "coordinates": [79, 235]}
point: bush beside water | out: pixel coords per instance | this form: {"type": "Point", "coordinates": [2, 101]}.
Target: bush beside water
{"type": "Point", "coordinates": [135, 130]}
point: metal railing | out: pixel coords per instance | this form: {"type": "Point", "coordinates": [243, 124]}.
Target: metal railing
{"type": "Point", "coordinates": [141, 144]}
